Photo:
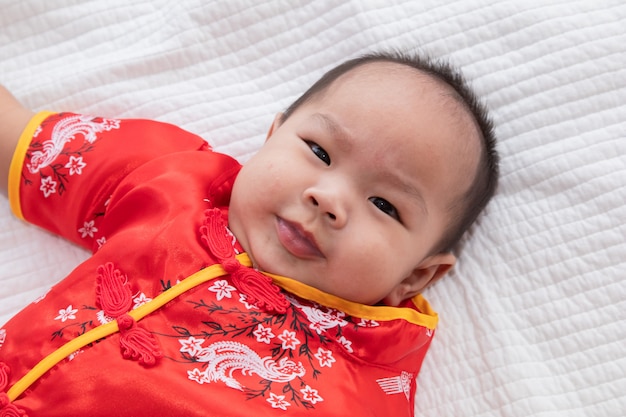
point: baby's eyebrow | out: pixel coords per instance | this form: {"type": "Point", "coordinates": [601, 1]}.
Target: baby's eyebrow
{"type": "Point", "coordinates": [336, 130]}
{"type": "Point", "coordinates": [409, 189]}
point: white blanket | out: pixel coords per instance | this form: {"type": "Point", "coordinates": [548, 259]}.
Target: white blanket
{"type": "Point", "coordinates": [533, 319]}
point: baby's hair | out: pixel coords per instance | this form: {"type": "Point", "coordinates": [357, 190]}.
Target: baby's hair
{"type": "Point", "coordinates": [466, 209]}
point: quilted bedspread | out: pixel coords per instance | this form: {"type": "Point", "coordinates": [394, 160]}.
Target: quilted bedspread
{"type": "Point", "coordinates": [533, 318]}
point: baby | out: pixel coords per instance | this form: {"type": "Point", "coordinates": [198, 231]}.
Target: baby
{"type": "Point", "coordinates": [291, 284]}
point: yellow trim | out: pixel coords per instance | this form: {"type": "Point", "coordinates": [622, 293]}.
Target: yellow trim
{"type": "Point", "coordinates": [426, 316]}
{"type": "Point", "coordinates": [17, 162]}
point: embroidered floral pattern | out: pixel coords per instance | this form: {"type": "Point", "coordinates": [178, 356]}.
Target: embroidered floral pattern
{"type": "Point", "coordinates": [48, 186]}
{"type": "Point", "coordinates": [76, 320]}
{"type": "Point", "coordinates": [263, 334]}
{"type": "Point", "coordinates": [88, 229]}
{"type": "Point", "coordinates": [278, 401]}
{"type": "Point", "coordinates": [311, 395]}
{"type": "Point", "coordinates": [228, 351]}
{"type": "Point", "coordinates": [289, 339]}
{"type": "Point", "coordinates": [222, 289]}
{"type": "Point", "coordinates": [53, 160]}
{"type": "Point", "coordinates": [346, 344]}
{"type": "Point", "coordinates": [192, 346]}
{"type": "Point", "coordinates": [140, 300]}
{"type": "Point", "coordinates": [68, 313]}
{"type": "Point", "coordinates": [75, 165]}
{"type": "Point", "coordinates": [325, 357]}
{"type": "Point", "coordinates": [3, 337]}
{"type": "Point", "coordinates": [368, 323]}
{"type": "Point", "coordinates": [101, 241]}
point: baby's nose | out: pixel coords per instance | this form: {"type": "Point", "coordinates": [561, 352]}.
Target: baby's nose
{"type": "Point", "coordinates": [331, 215]}
{"type": "Point", "coordinates": [330, 204]}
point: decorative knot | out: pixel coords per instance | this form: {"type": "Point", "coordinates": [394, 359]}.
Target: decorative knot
{"type": "Point", "coordinates": [112, 292]}
{"type": "Point", "coordinates": [137, 343]}
{"type": "Point", "coordinates": [10, 410]}
{"type": "Point", "coordinates": [259, 289]}
{"type": "Point", "coordinates": [5, 371]}
{"type": "Point", "coordinates": [216, 236]}
{"type": "Point", "coordinates": [115, 298]}
{"type": "Point", "coordinates": [231, 265]}
{"type": "Point", "coordinates": [125, 322]}
{"type": "Point", "coordinates": [6, 408]}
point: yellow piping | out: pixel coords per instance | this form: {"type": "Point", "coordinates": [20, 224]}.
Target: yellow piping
{"type": "Point", "coordinates": [17, 162]}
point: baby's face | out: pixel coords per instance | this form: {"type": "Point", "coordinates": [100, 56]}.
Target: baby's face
{"type": "Point", "coordinates": [351, 192]}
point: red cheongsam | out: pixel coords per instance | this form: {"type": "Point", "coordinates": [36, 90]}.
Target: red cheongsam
{"type": "Point", "coordinates": [166, 318]}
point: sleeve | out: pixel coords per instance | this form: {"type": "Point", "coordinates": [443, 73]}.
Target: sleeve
{"type": "Point", "coordinates": [66, 166]}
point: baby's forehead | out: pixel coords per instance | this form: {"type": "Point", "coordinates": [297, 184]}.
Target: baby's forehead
{"type": "Point", "coordinates": [455, 116]}
{"type": "Point", "coordinates": [429, 85]}
{"type": "Point", "coordinates": [406, 78]}
{"type": "Point", "coordinates": [381, 71]}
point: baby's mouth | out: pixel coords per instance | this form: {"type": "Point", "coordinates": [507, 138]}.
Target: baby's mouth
{"type": "Point", "coordinates": [296, 240]}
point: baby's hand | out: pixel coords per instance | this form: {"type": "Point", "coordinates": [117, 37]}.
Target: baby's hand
{"type": "Point", "coordinates": [13, 119]}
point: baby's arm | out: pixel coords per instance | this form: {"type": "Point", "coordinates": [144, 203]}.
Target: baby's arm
{"type": "Point", "coordinates": [13, 119]}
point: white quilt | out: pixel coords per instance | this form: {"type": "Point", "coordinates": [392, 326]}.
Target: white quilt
{"type": "Point", "coordinates": [533, 319]}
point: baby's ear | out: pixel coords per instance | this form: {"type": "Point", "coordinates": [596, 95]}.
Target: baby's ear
{"type": "Point", "coordinates": [278, 119]}
{"type": "Point", "coordinates": [426, 273]}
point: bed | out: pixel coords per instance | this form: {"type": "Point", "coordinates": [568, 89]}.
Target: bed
{"type": "Point", "coordinates": [533, 318]}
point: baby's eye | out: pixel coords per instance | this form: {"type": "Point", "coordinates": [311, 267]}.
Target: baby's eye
{"type": "Point", "coordinates": [385, 206]}
{"type": "Point", "coordinates": [319, 151]}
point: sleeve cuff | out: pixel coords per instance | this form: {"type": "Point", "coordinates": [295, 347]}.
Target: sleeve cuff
{"type": "Point", "coordinates": [17, 162]}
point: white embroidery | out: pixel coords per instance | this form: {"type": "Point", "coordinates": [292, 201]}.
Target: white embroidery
{"type": "Point", "coordinates": [289, 339]}
{"type": "Point", "coordinates": [243, 300]}
{"type": "Point", "coordinates": [321, 320]}
{"type": "Point", "coordinates": [397, 384]}
{"type": "Point", "coordinates": [102, 317]}
{"type": "Point", "coordinates": [368, 323]}
{"type": "Point", "coordinates": [191, 345]}
{"type": "Point", "coordinates": [346, 344]}
{"type": "Point", "coordinates": [88, 229]}
{"type": "Point", "coordinates": [64, 131]}
{"type": "Point", "coordinates": [48, 186]}
{"type": "Point", "coordinates": [222, 289]}
{"type": "Point", "coordinates": [278, 401]}
{"type": "Point", "coordinates": [74, 354]}
{"type": "Point", "coordinates": [325, 357]}
{"type": "Point", "coordinates": [198, 376]}
{"type": "Point", "coordinates": [140, 300]}
{"type": "Point", "coordinates": [75, 165]}
{"type": "Point", "coordinates": [68, 313]}
{"type": "Point", "coordinates": [3, 336]}
{"type": "Point", "coordinates": [224, 358]}
{"type": "Point", "coordinates": [101, 241]}
{"type": "Point", "coordinates": [263, 334]}
{"type": "Point", "coordinates": [311, 395]}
